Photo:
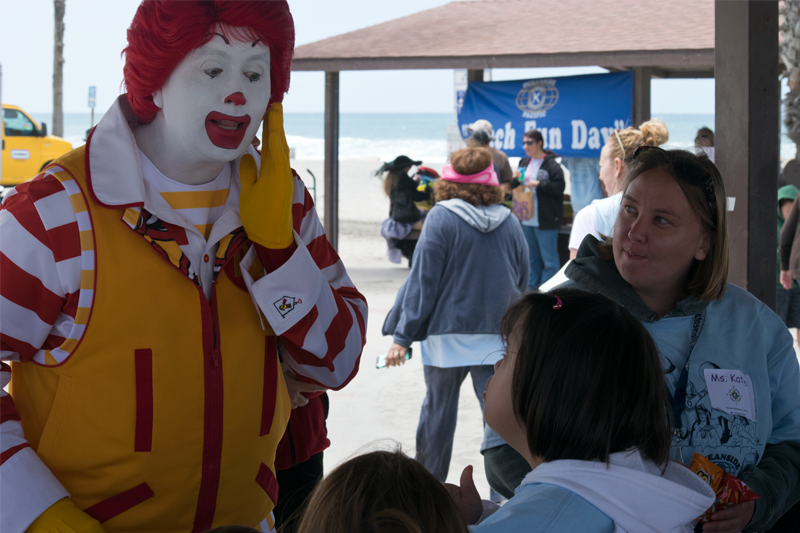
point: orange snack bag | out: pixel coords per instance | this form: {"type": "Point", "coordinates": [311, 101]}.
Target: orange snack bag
{"type": "Point", "coordinates": [729, 489]}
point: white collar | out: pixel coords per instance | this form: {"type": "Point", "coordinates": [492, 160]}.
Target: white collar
{"type": "Point", "coordinates": [113, 168]}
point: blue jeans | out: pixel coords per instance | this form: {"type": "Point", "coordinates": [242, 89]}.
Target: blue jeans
{"type": "Point", "coordinates": [584, 181]}
{"type": "Point", "coordinates": [505, 469]}
{"type": "Point", "coordinates": [437, 419]}
{"type": "Point", "coordinates": [787, 306]}
{"type": "Point", "coordinates": [543, 254]}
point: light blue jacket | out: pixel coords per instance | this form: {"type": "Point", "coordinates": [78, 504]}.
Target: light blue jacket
{"type": "Point", "coordinates": [628, 495]}
{"type": "Point", "coordinates": [546, 509]}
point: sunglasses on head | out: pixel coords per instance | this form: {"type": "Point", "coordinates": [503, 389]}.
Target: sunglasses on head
{"type": "Point", "coordinates": [691, 173]}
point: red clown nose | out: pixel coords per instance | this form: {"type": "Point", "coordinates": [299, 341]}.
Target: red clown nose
{"type": "Point", "coordinates": [236, 99]}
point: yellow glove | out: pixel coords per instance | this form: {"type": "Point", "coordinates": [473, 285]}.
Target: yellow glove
{"type": "Point", "coordinates": [265, 204]}
{"type": "Point", "coordinates": [64, 517]}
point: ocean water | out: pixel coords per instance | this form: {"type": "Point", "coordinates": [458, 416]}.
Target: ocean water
{"type": "Point", "coordinates": [386, 135]}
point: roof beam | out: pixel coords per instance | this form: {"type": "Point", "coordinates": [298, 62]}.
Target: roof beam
{"type": "Point", "coordinates": [680, 59]}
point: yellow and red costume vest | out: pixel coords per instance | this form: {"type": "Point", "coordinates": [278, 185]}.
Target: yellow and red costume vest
{"type": "Point", "coordinates": [167, 413]}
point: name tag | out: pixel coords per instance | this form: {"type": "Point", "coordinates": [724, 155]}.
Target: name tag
{"type": "Point", "coordinates": [731, 391]}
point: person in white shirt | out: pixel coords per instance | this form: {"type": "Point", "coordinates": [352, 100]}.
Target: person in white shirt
{"type": "Point", "coordinates": [597, 219]}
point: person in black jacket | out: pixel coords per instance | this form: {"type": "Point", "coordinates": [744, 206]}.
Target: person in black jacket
{"type": "Point", "coordinates": [403, 212]}
{"type": "Point", "coordinates": [544, 175]}
{"type": "Point", "coordinates": [402, 189]}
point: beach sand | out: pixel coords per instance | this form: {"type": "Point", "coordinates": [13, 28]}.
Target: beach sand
{"type": "Point", "coordinates": [380, 408]}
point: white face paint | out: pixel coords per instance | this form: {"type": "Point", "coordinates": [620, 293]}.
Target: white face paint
{"type": "Point", "coordinates": [213, 102]}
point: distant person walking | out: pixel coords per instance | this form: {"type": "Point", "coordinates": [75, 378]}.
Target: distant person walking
{"type": "Point", "coordinates": [500, 159]}
{"type": "Point", "coordinates": [705, 137]}
{"type": "Point", "coordinates": [789, 247]}
{"type": "Point", "coordinates": [544, 175]}
{"type": "Point", "coordinates": [787, 304]}
{"type": "Point", "coordinates": [403, 212]}
{"type": "Point", "coordinates": [704, 142]}
{"type": "Point", "coordinates": [471, 262]}
{"type": "Point", "coordinates": [598, 218]}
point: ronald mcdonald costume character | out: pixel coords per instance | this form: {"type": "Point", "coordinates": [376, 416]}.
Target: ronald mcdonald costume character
{"type": "Point", "coordinates": [148, 280]}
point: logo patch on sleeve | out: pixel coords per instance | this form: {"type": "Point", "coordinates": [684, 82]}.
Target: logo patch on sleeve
{"type": "Point", "coordinates": [286, 304]}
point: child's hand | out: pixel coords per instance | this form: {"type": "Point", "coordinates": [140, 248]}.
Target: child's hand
{"type": "Point", "coordinates": [466, 497]}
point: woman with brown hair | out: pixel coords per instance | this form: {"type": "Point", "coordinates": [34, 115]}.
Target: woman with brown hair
{"type": "Point", "coordinates": [471, 262]}
{"type": "Point", "coordinates": [729, 361]}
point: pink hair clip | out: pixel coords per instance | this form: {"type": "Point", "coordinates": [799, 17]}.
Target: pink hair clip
{"type": "Point", "coordinates": [559, 303]}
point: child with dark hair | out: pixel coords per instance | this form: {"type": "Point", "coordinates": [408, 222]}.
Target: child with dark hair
{"type": "Point", "coordinates": [381, 492]}
{"type": "Point", "coordinates": [581, 396]}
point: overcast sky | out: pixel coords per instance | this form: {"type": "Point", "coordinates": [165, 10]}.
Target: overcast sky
{"type": "Point", "coordinates": [95, 36]}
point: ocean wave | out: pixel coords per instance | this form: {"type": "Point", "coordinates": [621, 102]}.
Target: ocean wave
{"type": "Point", "coordinates": [358, 148]}
{"type": "Point", "coordinates": [419, 149]}
{"type": "Point", "coordinates": [352, 148]}
{"type": "Point", "coordinates": [788, 149]}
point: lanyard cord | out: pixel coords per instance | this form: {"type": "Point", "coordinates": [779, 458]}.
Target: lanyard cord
{"type": "Point", "coordinates": [533, 175]}
{"type": "Point", "coordinates": [679, 399]}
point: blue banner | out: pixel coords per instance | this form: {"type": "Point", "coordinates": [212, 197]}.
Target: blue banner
{"type": "Point", "coordinates": [575, 114]}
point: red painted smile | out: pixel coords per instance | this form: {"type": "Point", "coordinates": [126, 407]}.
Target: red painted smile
{"type": "Point", "coordinates": [226, 131]}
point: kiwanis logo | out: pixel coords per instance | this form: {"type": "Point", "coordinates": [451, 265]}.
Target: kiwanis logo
{"type": "Point", "coordinates": [286, 304]}
{"type": "Point", "coordinates": [735, 395]}
{"type": "Point", "coordinates": [536, 97]}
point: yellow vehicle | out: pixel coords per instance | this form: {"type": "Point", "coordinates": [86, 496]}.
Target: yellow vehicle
{"type": "Point", "coordinates": [27, 148]}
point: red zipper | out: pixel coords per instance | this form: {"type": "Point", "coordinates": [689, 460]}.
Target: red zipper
{"type": "Point", "coordinates": [212, 419]}
{"type": "Point", "coordinates": [212, 431]}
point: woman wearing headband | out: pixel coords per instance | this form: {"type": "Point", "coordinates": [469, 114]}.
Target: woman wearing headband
{"type": "Point", "coordinates": [471, 262]}
{"type": "Point", "coordinates": [598, 218]}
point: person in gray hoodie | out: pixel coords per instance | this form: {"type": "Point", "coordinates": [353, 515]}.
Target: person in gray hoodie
{"type": "Point", "coordinates": [470, 263]}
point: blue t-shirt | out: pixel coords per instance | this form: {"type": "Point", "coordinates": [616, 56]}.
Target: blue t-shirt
{"type": "Point", "coordinates": [460, 349]}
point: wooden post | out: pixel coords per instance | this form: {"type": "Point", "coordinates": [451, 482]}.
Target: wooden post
{"type": "Point", "coordinates": [747, 137]}
{"type": "Point", "coordinates": [331, 221]}
{"type": "Point", "coordinates": [1, 116]}
{"type": "Point", "coordinates": [641, 94]}
{"type": "Point", "coordinates": [474, 75]}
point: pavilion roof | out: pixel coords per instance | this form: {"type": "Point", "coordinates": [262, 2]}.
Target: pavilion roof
{"type": "Point", "coordinates": [674, 36]}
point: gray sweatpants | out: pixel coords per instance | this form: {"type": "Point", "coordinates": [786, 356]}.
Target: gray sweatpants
{"type": "Point", "coordinates": [437, 418]}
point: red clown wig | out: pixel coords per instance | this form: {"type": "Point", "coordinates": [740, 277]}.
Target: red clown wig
{"type": "Point", "coordinates": [163, 32]}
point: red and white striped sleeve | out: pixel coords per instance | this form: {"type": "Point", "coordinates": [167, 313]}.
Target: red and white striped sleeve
{"type": "Point", "coordinates": [39, 285]}
{"type": "Point", "coordinates": [311, 303]}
